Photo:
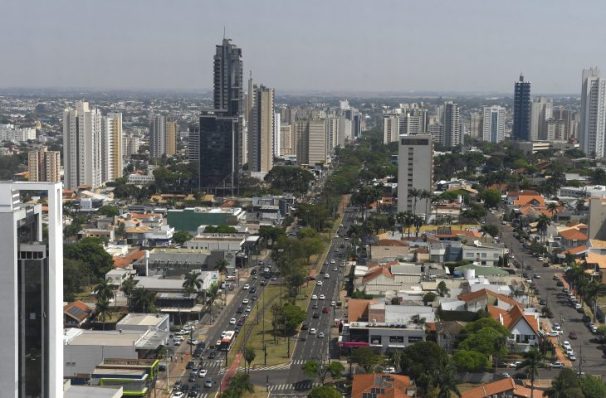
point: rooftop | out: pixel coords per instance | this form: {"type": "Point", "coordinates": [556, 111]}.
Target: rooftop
{"type": "Point", "coordinates": [93, 392]}
{"type": "Point", "coordinates": [142, 320]}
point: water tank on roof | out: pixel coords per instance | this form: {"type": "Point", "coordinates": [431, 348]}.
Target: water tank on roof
{"type": "Point", "coordinates": [469, 273]}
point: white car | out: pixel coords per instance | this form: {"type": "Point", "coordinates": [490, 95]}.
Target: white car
{"type": "Point", "coordinates": [312, 331]}
{"type": "Point", "coordinates": [327, 275]}
{"type": "Point", "coordinates": [556, 364]}
{"type": "Point", "coordinates": [232, 321]}
{"type": "Point", "coordinates": [333, 303]}
{"type": "Point", "coordinates": [319, 283]}
{"type": "Point", "coordinates": [389, 369]}
{"type": "Point", "coordinates": [246, 287]}
{"type": "Point", "coordinates": [202, 373]}
{"type": "Point", "coordinates": [514, 364]}
{"type": "Point", "coordinates": [578, 306]}
{"type": "Point", "coordinates": [314, 297]}
{"type": "Point", "coordinates": [572, 357]}
{"type": "Point", "coordinates": [177, 394]}
{"type": "Point", "coordinates": [321, 335]}
{"type": "Point", "coordinates": [335, 269]}
{"type": "Point", "coordinates": [248, 308]}
{"type": "Point", "coordinates": [322, 297]}
{"type": "Point", "coordinates": [593, 328]}
{"type": "Point", "coordinates": [553, 333]}
{"type": "Point", "coordinates": [333, 261]}
{"type": "Point", "coordinates": [566, 344]}
{"type": "Point", "coordinates": [245, 301]}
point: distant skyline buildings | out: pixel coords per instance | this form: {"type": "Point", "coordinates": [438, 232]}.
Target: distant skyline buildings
{"type": "Point", "coordinates": [522, 109]}
{"type": "Point", "coordinates": [451, 134]}
{"type": "Point", "coordinates": [261, 131]}
{"type": "Point", "coordinates": [493, 124]}
{"type": "Point", "coordinates": [44, 165]}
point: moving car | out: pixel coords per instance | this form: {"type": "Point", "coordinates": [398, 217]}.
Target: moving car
{"type": "Point", "coordinates": [556, 364]}
{"type": "Point", "coordinates": [202, 373]}
{"type": "Point", "coordinates": [208, 383]}
{"type": "Point", "coordinates": [322, 297]}
{"type": "Point", "coordinates": [312, 331]}
{"type": "Point", "coordinates": [245, 301]}
{"type": "Point", "coordinates": [321, 335]}
{"type": "Point", "coordinates": [314, 297]}
{"type": "Point", "coordinates": [246, 286]}
{"type": "Point", "coordinates": [319, 283]}
{"type": "Point", "coordinates": [232, 321]}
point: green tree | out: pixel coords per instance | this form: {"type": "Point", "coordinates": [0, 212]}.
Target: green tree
{"type": "Point", "coordinates": [287, 319]}
{"type": "Point", "coordinates": [238, 385]}
{"type": "Point", "coordinates": [311, 368]}
{"type": "Point", "coordinates": [249, 356]}
{"type": "Point", "coordinates": [491, 197]}
{"type": "Point", "coordinates": [289, 179]}
{"type": "Point", "coordinates": [443, 289]}
{"type": "Point", "coordinates": [90, 251]}
{"type": "Point", "coordinates": [75, 276]}
{"type": "Point", "coordinates": [565, 385]}
{"type": "Point", "coordinates": [220, 229]}
{"type": "Point", "coordinates": [470, 361]}
{"type": "Point", "coordinates": [366, 358]}
{"type": "Point", "coordinates": [593, 387]}
{"type": "Point", "coordinates": [488, 341]}
{"type": "Point", "coordinates": [180, 237]}
{"type": "Point", "coordinates": [104, 290]}
{"type": "Point", "coordinates": [127, 288]}
{"type": "Point", "coordinates": [429, 297]}
{"type": "Point", "coordinates": [335, 369]}
{"type": "Point", "coordinates": [108, 211]}
{"type": "Point", "coordinates": [221, 265]}
{"type": "Point", "coordinates": [324, 392]}
{"type": "Point", "coordinates": [490, 229]}
{"type": "Point", "coordinates": [429, 365]}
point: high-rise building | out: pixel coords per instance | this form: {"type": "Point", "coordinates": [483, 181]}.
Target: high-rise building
{"type": "Point", "coordinates": [130, 145]}
{"type": "Point", "coordinates": [218, 154]}
{"type": "Point", "coordinates": [521, 111]}
{"type": "Point", "coordinates": [82, 142]}
{"type": "Point", "coordinates": [391, 128]}
{"type": "Point", "coordinates": [451, 126]}
{"type": "Point", "coordinates": [193, 144]}
{"type": "Point", "coordinates": [31, 275]}
{"type": "Point", "coordinates": [415, 171]}
{"type": "Point", "coordinates": [311, 141]}
{"type": "Point", "coordinates": [111, 147]}
{"type": "Point", "coordinates": [276, 133]}
{"type": "Point", "coordinates": [44, 165]}
{"type": "Point", "coordinates": [260, 134]}
{"type": "Point", "coordinates": [287, 146]}
{"type": "Point", "coordinates": [541, 111]}
{"type": "Point", "coordinates": [171, 138]}
{"type": "Point", "coordinates": [157, 136]}
{"type": "Point", "coordinates": [228, 90]}
{"type": "Point", "coordinates": [592, 129]}
{"type": "Point", "coordinates": [493, 124]}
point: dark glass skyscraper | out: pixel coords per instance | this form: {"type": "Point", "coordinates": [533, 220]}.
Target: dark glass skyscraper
{"type": "Point", "coordinates": [228, 95]}
{"type": "Point", "coordinates": [220, 133]}
{"type": "Point", "coordinates": [522, 107]}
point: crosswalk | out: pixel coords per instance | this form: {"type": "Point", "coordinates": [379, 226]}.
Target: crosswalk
{"type": "Point", "coordinates": [256, 368]}
{"type": "Point", "coordinates": [293, 387]}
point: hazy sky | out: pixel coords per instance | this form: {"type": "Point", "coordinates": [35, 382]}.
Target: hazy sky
{"type": "Point", "coordinates": [346, 45]}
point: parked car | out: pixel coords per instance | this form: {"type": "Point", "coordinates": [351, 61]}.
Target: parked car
{"type": "Point", "coordinates": [572, 335]}
{"type": "Point", "coordinates": [556, 365]}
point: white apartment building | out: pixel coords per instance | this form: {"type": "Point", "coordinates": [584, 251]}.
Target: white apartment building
{"type": "Point", "coordinates": [82, 143]}
{"type": "Point", "coordinates": [493, 127]}
{"type": "Point", "coordinates": [111, 148]}
{"type": "Point", "coordinates": [157, 136]}
{"type": "Point", "coordinates": [451, 134]}
{"type": "Point", "coordinates": [593, 113]}
{"type": "Point", "coordinates": [415, 170]}
{"type": "Point", "coordinates": [261, 131]}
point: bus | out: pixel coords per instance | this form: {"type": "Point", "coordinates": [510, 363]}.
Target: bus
{"type": "Point", "coordinates": [227, 338]}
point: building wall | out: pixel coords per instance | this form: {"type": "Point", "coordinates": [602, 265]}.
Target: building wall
{"type": "Point", "coordinates": [287, 146]}
{"type": "Point", "coordinates": [82, 359]}
{"type": "Point", "coordinates": [415, 170]}
{"type": "Point", "coordinates": [597, 218]}
{"type": "Point", "coordinates": [171, 138]}
{"type": "Point", "coordinates": [493, 125]}
{"type": "Point", "coordinates": [157, 136]}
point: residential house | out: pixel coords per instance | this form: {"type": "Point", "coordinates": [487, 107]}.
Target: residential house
{"type": "Point", "coordinates": [76, 314]}
{"type": "Point", "coordinates": [503, 388]}
{"type": "Point", "coordinates": [524, 327]}
{"type": "Point", "coordinates": [378, 385]}
{"type": "Point", "coordinates": [573, 236]}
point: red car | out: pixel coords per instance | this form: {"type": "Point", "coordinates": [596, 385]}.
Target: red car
{"type": "Point", "coordinates": [325, 310]}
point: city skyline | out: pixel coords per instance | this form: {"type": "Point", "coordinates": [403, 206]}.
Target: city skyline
{"type": "Point", "coordinates": [487, 57]}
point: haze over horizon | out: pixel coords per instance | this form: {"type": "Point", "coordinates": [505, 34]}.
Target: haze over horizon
{"type": "Point", "coordinates": [339, 46]}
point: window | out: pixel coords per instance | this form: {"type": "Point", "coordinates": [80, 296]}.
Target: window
{"type": "Point", "coordinates": [396, 339]}
{"type": "Point", "coordinates": [376, 340]}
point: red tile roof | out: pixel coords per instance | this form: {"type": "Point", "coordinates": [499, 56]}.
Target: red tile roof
{"type": "Point", "coordinates": [394, 386]}
{"type": "Point", "coordinates": [130, 258]}
{"type": "Point", "coordinates": [573, 234]}
{"type": "Point", "coordinates": [357, 308]}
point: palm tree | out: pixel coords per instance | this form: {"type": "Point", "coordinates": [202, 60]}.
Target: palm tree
{"type": "Point", "coordinates": [418, 223]}
{"type": "Point", "coordinates": [104, 290]}
{"type": "Point", "coordinates": [102, 309]}
{"type": "Point", "coordinates": [408, 221]}
{"type": "Point", "coordinates": [552, 208]}
{"type": "Point", "coordinates": [221, 265]}
{"type": "Point", "coordinates": [211, 295]}
{"type": "Point", "coordinates": [143, 300]}
{"type": "Point", "coordinates": [532, 361]}
{"type": "Point", "coordinates": [447, 382]}
{"type": "Point", "coordinates": [127, 288]}
{"type": "Point", "coordinates": [426, 195]}
{"type": "Point", "coordinates": [192, 282]}
{"type": "Point", "coordinates": [414, 193]}
{"type": "Point", "coordinates": [542, 225]}
{"type": "Point", "coordinates": [240, 383]}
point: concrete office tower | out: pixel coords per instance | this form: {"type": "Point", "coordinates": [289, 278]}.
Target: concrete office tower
{"type": "Point", "coordinates": [593, 113]}
{"type": "Point", "coordinates": [228, 90]}
{"type": "Point", "coordinates": [451, 126]}
{"type": "Point", "coordinates": [332, 131]}
{"type": "Point", "coordinates": [82, 147]}
{"type": "Point", "coordinates": [131, 145]}
{"type": "Point", "coordinates": [111, 147]}
{"type": "Point", "coordinates": [521, 111]}
{"type": "Point", "coordinates": [287, 146]}
{"type": "Point", "coordinates": [157, 136]}
{"type": "Point", "coordinates": [31, 271]}
{"type": "Point", "coordinates": [541, 111]}
{"type": "Point", "coordinates": [44, 165]}
{"type": "Point", "coordinates": [260, 137]}
{"type": "Point", "coordinates": [391, 128]}
{"type": "Point", "coordinates": [493, 125]}
{"type": "Point", "coordinates": [218, 151]}
{"type": "Point", "coordinates": [171, 138]}
{"type": "Point", "coordinates": [277, 136]}
{"type": "Point", "coordinates": [415, 170]}
{"type": "Point", "coordinates": [312, 142]}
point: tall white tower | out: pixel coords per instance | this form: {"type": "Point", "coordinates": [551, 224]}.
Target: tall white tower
{"type": "Point", "coordinates": [493, 126]}
{"type": "Point", "coordinates": [82, 146]}
{"type": "Point", "coordinates": [593, 113]}
{"type": "Point", "coordinates": [31, 292]}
